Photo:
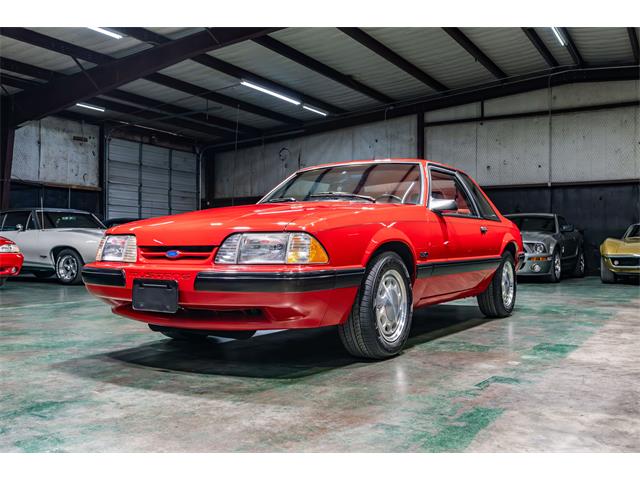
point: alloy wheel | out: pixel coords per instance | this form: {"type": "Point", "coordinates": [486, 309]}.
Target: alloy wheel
{"type": "Point", "coordinates": [390, 306]}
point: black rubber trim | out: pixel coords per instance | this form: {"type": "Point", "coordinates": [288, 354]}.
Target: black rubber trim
{"type": "Point", "coordinates": [103, 276]}
{"type": "Point", "coordinates": [434, 269]}
{"type": "Point", "coordinates": [279, 282]}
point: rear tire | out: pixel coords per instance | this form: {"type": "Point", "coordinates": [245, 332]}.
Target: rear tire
{"type": "Point", "coordinates": [380, 320]}
{"type": "Point", "coordinates": [498, 300]}
{"type": "Point", "coordinates": [68, 267]}
{"type": "Point", "coordinates": [578, 270]}
{"type": "Point", "coordinates": [606, 275]}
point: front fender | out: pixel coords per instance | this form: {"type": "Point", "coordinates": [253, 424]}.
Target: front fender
{"type": "Point", "coordinates": [387, 235]}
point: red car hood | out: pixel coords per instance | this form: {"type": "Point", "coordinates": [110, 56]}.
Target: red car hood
{"type": "Point", "coordinates": [211, 227]}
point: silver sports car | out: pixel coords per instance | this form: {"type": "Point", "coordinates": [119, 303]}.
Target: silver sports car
{"type": "Point", "coordinates": [53, 241]}
{"type": "Point", "coordinates": [552, 246]}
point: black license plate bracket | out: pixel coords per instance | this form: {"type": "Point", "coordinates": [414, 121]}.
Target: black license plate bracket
{"type": "Point", "coordinates": [155, 295]}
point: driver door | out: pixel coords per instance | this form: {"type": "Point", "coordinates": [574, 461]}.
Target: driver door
{"type": "Point", "coordinates": [20, 227]}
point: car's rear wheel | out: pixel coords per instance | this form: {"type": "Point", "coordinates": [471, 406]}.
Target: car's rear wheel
{"type": "Point", "coordinates": [606, 275]}
{"type": "Point", "coordinates": [578, 270]}
{"type": "Point", "coordinates": [555, 274]}
{"type": "Point", "coordinates": [380, 320]}
{"type": "Point", "coordinates": [499, 298]}
{"type": "Point", "coordinates": [68, 267]}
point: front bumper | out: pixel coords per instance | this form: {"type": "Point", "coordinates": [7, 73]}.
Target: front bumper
{"type": "Point", "coordinates": [10, 264]}
{"type": "Point", "coordinates": [233, 298]}
{"type": "Point", "coordinates": [623, 264]}
{"type": "Point", "coordinates": [535, 264]}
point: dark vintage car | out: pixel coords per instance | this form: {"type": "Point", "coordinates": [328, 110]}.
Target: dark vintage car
{"type": "Point", "coordinates": [552, 246]}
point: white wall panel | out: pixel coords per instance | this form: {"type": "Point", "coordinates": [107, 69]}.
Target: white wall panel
{"type": "Point", "coordinates": [56, 150]}
{"type": "Point", "coordinates": [454, 145]}
{"type": "Point", "coordinates": [600, 145]}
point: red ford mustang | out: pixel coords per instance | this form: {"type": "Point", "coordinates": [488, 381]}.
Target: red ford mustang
{"type": "Point", "coordinates": [10, 259]}
{"type": "Point", "coordinates": [357, 244]}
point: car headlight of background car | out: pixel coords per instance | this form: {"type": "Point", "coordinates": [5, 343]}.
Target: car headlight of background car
{"type": "Point", "coordinates": [117, 248]}
{"type": "Point", "coordinates": [269, 248]}
{"type": "Point", "coordinates": [9, 248]}
{"type": "Point", "coordinates": [539, 248]}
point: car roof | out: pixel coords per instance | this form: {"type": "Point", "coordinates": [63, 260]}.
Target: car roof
{"type": "Point", "coordinates": [380, 160]}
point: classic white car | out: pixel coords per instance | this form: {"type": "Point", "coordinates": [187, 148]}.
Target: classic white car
{"type": "Point", "coordinates": [53, 241]}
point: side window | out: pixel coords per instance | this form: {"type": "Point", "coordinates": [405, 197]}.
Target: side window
{"type": "Point", "coordinates": [31, 224]}
{"type": "Point", "coordinates": [12, 219]}
{"type": "Point", "coordinates": [481, 200]}
{"type": "Point", "coordinates": [447, 186]}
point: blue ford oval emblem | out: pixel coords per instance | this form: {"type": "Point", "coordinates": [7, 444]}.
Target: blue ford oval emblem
{"type": "Point", "coordinates": [173, 254]}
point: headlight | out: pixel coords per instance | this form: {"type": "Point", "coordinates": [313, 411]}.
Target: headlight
{"type": "Point", "coordinates": [9, 248]}
{"type": "Point", "coordinates": [539, 248]}
{"type": "Point", "coordinates": [117, 248]}
{"type": "Point", "coordinates": [269, 248]}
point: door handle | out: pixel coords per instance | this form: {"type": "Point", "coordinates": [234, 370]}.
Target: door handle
{"type": "Point", "coordinates": [483, 230]}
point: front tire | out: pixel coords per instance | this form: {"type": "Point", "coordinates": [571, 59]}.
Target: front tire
{"type": "Point", "coordinates": [380, 320]}
{"type": "Point", "coordinates": [498, 300]}
{"type": "Point", "coordinates": [606, 275]}
{"type": "Point", "coordinates": [578, 270]}
{"type": "Point", "coordinates": [556, 268]}
{"type": "Point", "coordinates": [68, 267]}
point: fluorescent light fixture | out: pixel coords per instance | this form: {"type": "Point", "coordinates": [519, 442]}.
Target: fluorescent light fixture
{"type": "Point", "coordinates": [104, 31]}
{"type": "Point", "coordinates": [90, 107]}
{"type": "Point", "coordinates": [314, 110]}
{"type": "Point", "coordinates": [559, 36]}
{"type": "Point", "coordinates": [269, 92]}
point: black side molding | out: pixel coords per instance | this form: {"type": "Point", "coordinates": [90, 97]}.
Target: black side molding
{"type": "Point", "coordinates": [103, 276]}
{"type": "Point", "coordinates": [433, 269]}
{"type": "Point", "coordinates": [278, 282]}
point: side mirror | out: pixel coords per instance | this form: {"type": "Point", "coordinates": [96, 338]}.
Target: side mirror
{"type": "Point", "coordinates": [439, 205]}
{"type": "Point", "coordinates": [567, 228]}
{"type": "Point", "coordinates": [19, 227]}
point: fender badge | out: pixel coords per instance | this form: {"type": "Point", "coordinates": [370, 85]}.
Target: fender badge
{"type": "Point", "coordinates": [424, 254]}
{"type": "Point", "coordinates": [173, 254]}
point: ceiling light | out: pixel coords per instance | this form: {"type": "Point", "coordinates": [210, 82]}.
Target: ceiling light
{"type": "Point", "coordinates": [90, 107]}
{"type": "Point", "coordinates": [269, 92]}
{"type": "Point", "coordinates": [117, 36]}
{"type": "Point", "coordinates": [558, 36]}
{"type": "Point", "coordinates": [314, 110]}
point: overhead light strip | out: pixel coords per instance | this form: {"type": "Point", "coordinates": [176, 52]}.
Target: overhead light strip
{"type": "Point", "coordinates": [104, 31]}
{"type": "Point", "coordinates": [314, 110]}
{"type": "Point", "coordinates": [559, 36]}
{"type": "Point", "coordinates": [90, 107]}
{"type": "Point", "coordinates": [269, 92]}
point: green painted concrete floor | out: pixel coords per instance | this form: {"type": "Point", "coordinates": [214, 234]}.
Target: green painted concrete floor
{"type": "Point", "coordinates": [561, 374]}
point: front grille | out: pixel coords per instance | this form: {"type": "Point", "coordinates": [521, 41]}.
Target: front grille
{"type": "Point", "coordinates": [625, 261]}
{"type": "Point", "coordinates": [187, 252]}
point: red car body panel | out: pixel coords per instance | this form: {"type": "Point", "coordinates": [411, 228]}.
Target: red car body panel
{"type": "Point", "coordinates": [10, 263]}
{"type": "Point", "coordinates": [229, 297]}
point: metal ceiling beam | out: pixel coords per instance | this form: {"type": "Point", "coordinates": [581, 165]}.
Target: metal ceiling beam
{"type": "Point", "coordinates": [111, 72]}
{"type": "Point", "coordinates": [117, 107]}
{"type": "Point", "coordinates": [571, 46]}
{"type": "Point", "coordinates": [153, 38]}
{"type": "Point", "coordinates": [478, 93]}
{"type": "Point", "coordinates": [319, 67]}
{"type": "Point", "coordinates": [392, 57]}
{"type": "Point", "coordinates": [474, 51]}
{"type": "Point", "coordinates": [633, 38]}
{"type": "Point", "coordinates": [537, 42]}
{"type": "Point", "coordinates": [212, 121]}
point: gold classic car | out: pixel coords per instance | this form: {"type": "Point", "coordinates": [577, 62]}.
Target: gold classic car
{"type": "Point", "coordinates": [620, 257]}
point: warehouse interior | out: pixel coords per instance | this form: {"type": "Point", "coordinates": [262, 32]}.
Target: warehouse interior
{"type": "Point", "coordinates": [139, 123]}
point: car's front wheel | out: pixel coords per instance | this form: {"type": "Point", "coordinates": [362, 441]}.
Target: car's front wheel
{"type": "Point", "coordinates": [499, 298]}
{"type": "Point", "coordinates": [606, 275]}
{"type": "Point", "coordinates": [68, 267]}
{"type": "Point", "coordinates": [380, 320]}
{"type": "Point", "coordinates": [555, 275]}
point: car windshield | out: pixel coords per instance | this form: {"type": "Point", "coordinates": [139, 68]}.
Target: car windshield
{"type": "Point", "coordinates": [377, 182]}
{"type": "Point", "coordinates": [633, 232]}
{"type": "Point", "coordinates": [69, 220]}
{"type": "Point", "coordinates": [534, 223]}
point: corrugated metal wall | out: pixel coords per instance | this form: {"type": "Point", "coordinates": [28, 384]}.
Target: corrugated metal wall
{"type": "Point", "coordinates": [149, 181]}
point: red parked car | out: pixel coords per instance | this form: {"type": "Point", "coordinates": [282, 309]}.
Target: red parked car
{"type": "Point", "coordinates": [10, 260]}
{"type": "Point", "coordinates": [357, 244]}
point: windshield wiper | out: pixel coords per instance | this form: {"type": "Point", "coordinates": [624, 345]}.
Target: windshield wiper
{"type": "Point", "coordinates": [281, 199]}
{"type": "Point", "coordinates": [342, 195]}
